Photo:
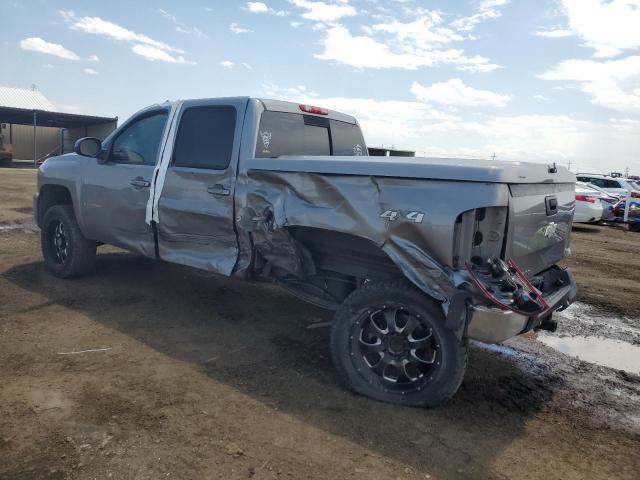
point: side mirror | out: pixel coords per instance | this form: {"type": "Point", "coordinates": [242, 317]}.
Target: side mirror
{"type": "Point", "coordinates": [88, 147]}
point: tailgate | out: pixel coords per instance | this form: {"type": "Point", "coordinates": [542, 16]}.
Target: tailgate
{"type": "Point", "coordinates": [539, 228]}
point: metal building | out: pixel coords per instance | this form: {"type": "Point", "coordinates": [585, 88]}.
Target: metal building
{"type": "Point", "coordinates": [33, 128]}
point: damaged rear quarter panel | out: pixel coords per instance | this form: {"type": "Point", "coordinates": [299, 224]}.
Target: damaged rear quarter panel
{"type": "Point", "coordinates": [268, 201]}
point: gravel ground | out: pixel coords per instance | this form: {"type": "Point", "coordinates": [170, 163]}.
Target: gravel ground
{"type": "Point", "coordinates": [188, 376]}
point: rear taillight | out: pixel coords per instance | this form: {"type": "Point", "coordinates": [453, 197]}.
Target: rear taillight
{"type": "Point", "coordinates": [312, 109]}
{"type": "Point", "coordinates": [635, 194]}
{"type": "Point", "coordinates": [586, 198]}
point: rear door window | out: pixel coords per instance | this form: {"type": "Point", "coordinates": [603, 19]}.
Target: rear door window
{"type": "Point", "coordinates": [205, 137]}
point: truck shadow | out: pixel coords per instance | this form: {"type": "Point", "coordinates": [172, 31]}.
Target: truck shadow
{"type": "Point", "coordinates": [257, 339]}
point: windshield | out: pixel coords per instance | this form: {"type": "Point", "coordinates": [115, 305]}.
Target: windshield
{"type": "Point", "coordinates": [283, 133]}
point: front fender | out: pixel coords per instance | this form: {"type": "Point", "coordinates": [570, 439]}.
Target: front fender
{"type": "Point", "coordinates": [64, 171]}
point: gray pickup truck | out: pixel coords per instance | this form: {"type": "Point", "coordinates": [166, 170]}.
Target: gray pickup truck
{"type": "Point", "coordinates": [415, 255]}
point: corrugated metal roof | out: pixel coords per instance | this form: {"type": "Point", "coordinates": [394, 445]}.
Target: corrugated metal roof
{"type": "Point", "coordinates": [25, 98]}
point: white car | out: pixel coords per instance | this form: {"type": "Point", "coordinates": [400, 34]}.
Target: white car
{"type": "Point", "coordinates": [616, 185]}
{"type": "Point", "coordinates": [589, 207]}
{"type": "Point", "coordinates": [607, 199]}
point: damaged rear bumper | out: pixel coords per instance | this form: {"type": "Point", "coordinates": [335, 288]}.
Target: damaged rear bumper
{"type": "Point", "coordinates": [490, 324]}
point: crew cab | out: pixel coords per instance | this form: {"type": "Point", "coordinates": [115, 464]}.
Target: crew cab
{"type": "Point", "coordinates": [415, 255]}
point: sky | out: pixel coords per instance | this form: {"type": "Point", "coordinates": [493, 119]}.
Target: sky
{"type": "Point", "coordinates": [544, 80]}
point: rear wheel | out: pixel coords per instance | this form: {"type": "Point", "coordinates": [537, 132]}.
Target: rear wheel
{"type": "Point", "coordinates": [634, 227]}
{"type": "Point", "coordinates": [67, 253]}
{"type": "Point", "coordinates": [389, 342]}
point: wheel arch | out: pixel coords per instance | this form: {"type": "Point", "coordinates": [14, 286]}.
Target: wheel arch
{"type": "Point", "coordinates": [345, 253]}
{"type": "Point", "coordinates": [50, 195]}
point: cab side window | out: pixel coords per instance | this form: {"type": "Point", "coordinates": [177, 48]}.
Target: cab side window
{"type": "Point", "coordinates": [138, 144]}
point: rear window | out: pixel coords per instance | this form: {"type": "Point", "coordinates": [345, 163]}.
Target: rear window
{"type": "Point", "coordinates": [347, 138]}
{"type": "Point", "coordinates": [294, 134]}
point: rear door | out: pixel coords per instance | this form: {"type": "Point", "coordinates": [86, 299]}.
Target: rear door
{"type": "Point", "coordinates": [115, 193]}
{"type": "Point", "coordinates": [196, 206]}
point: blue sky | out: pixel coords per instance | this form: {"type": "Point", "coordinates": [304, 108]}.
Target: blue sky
{"type": "Point", "coordinates": [545, 80]}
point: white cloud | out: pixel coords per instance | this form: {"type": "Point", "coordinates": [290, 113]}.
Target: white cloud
{"type": "Point", "coordinates": [37, 44]}
{"type": "Point", "coordinates": [227, 63]}
{"type": "Point", "coordinates": [423, 41]}
{"type": "Point", "coordinates": [246, 65]}
{"type": "Point", "coordinates": [324, 12]}
{"type": "Point", "coordinates": [541, 138]}
{"type": "Point", "coordinates": [90, 71]}
{"type": "Point", "coordinates": [487, 10]}
{"type": "Point", "coordinates": [152, 54]}
{"type": "Point", "coordinates": [181, 27]}
{"type": "Point", "coordinates": [237, 29]}
{"type": "Point", "coordinates": [539, 96]}
{"type": "Point", "coordinates": [94, 58]}
{"type": "Point", "coordinates": [611, 83]}
{"type": "Point", "coordinates": [455, 92]}
{"type": "Point", "coordinates": [608, 26]}
{"type": "Point", "coordinates": [559, 33]}
{"type": "Point", "coordinates": [261, 7]}
{"type": "Point", "coordinates": [144, 46]}
{"type": "Point", "coordinates": [257, 7]}
{"type": "Point", "coordinates": [423, 32]}
{"type": "Point", "coordinates": [366, 52]}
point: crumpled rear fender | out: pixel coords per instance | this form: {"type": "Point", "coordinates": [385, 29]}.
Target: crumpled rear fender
{"type": "Point", "coordinates": [411, 220]}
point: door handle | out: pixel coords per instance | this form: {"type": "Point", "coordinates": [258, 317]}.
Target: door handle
{"type": "Point", "coordinates": [140, 182]}
{"type": "Point", "coordinates": [218, 189]}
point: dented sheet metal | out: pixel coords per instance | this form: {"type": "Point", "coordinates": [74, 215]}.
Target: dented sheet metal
{"type": "Point", "coordinates": [409, 219]}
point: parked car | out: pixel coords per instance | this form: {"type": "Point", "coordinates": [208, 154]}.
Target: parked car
{"type": "Point", "coordinates": [588, 206]}
{"type": "Point", "coordinates": [616, 185]}
{"type": "Point", "coordinates": [415, 255]}
{"type": "Point", "coordinates": [585, 208]}
{"type": "Point", "coordinates": [633, 218]}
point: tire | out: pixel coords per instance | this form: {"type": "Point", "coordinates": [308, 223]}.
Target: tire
{"type": "Point", "coordinates": [425, 376]}
{"type": "Point", "coordinates": [634, 227]}
{"type": "Point", "coordinates": [67, 253]}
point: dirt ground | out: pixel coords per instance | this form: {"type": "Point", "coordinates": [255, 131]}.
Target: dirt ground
{"type": "Point", "coordinates": [200, 377]}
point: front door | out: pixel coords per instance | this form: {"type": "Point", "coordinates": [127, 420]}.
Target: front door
{"type": "Point", "coordinates": [115, 193]}
{"type": "Point", "coordinates": [196, 207]}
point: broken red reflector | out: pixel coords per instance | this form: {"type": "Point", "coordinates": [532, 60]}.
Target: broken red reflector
{"type": "Point", "coordinates": [312, 109]}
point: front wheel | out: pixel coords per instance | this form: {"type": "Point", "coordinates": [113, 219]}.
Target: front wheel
{"type": "Point", "coordinates": [67, 253]}
{"type": "Point", "coordinates": [389, 342]}
{"type": "Point", "coordinates": [634, 227]}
